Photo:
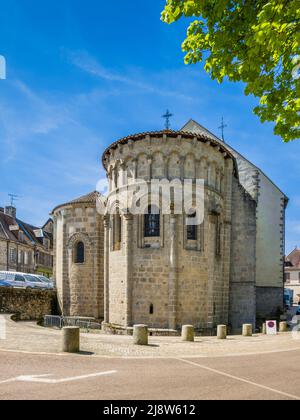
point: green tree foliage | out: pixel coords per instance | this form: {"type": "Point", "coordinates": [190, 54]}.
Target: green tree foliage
{"type": "Point", "coordinates": [253, 41]}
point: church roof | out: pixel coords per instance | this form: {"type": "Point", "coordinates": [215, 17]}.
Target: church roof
{"type": "Point", "coordinates": [204, 136]}
{"type": "Point", "coordinates": [90, 198]}
{"type": "Point", "coordinates": [194, 127]}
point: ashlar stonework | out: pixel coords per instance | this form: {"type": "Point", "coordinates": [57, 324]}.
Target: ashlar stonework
{"type": "Point", "coordinates": [173, 276]}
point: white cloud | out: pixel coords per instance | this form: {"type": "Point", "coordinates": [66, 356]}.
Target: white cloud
{"type": "Point", "coordinates": [91, 66]}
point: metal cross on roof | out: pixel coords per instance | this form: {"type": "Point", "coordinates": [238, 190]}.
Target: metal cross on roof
{"type": "Point", "coordinates": [222, 127]}
{"type": "Point", "coordinates": [167, 116]}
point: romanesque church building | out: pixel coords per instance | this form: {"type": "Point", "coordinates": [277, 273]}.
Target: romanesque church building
{"type": "Point", "coordinates": [156, 268]}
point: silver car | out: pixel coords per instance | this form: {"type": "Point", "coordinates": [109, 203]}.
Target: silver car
{"type": "Point", "coordinates": [48, 282]}
{"type": "Point", "coordinates": [21, 280]}
{"type": "Point", "coordinates": [36, 282]}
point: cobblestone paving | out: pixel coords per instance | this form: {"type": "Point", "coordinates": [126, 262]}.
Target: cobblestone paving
{"type": "Point", "coordinates": [28, 337]}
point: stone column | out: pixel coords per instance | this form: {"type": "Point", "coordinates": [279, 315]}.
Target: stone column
{"type": "Point", "coordinates": [173, 274]}
{"type": "Point", "coordinates": [150, 161]}
{"type": "Point", "coordinates": [109, 178]}
{"type": "Point", "coordinates": [123, 174]}
{"type": "Point", "coordinates": [106, 221]}
{"type": "Point", "coordinates": [182, 162]}
{"type": "Point", "coordinates": [211, 289]}
{"type": "Point", "coordinates": [135, 167]}
{"type": "Point", "coordinates": [128, 243]}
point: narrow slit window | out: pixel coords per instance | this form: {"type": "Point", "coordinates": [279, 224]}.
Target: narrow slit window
{"type": "Point", "coordinates": [191, 227]}
{"type": "Point", "coordinates": [79, 253]}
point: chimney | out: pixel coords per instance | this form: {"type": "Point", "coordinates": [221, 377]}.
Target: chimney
{"type": "Point", "coordinates": [10, 211]}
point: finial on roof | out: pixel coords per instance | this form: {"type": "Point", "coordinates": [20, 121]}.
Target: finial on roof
{"type": "Point", "coordinates": [222, 127]}
{"type": "Point", "coordinates": [167, 117]}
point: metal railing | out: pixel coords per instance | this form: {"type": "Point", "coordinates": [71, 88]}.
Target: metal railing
{"type": "Point", "coordinates": [51, 321]}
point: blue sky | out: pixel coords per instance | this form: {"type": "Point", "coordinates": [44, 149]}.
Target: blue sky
{"type": "Point", "coordinates": [81, 74]}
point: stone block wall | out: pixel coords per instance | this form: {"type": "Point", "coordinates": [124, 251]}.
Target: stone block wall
{"type": "Point", "coordinates": [80, 286]}
{"type": "Point", "coordinates": [3, 255]}
{"type": "Point", "coordinates": [28, 305]}
{"type": "Point", "coordinates": [269, 302]}
{"type": "Point", "coordinates": [243, 259]}
{"type": "Point", "coordinates": [167, 282]}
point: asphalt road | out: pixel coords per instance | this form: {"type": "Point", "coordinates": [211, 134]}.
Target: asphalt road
{"type": "Point", "coordinates": [264, 377]}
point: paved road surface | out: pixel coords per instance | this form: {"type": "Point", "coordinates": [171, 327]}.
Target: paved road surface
{"type": "Point", "coordinates": [267, 376]}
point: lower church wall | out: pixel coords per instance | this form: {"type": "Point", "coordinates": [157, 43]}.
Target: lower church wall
{"type": "Point", "coordinates": [269, 303]}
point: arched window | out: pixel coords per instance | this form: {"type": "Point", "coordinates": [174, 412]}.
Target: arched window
{"type": "Point", "coordinates": [191, 227]}
{"type": "Point", "coordinates": [79, 253]}
{"type": "Point", "coordinates": [152, 223]}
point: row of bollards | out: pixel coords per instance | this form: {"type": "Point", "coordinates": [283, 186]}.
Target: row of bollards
{"type": "Point", "coordinates": [283, 327]}
{"type": "Point", "coordinates": [71, 335]}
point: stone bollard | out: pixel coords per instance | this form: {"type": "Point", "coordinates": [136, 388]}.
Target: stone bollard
{"type": "Point", "coordinates": [247, 330]}
{"type": "Point", "coordinates": [71, 340]}
{"type": "Point", "coordinates": [264, 329]}
{"type": "Point", "coordinates": [283, 327]}
{"type": "Point", "coordinates": [188, 333]}
{"type": "Point", "coordinates": [222, 332]}
{"type": "Point", "coordinates": [140, 335]}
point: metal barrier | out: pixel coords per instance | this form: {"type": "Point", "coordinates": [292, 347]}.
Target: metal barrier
{"type": "Point", "coordinates": [51, 321]}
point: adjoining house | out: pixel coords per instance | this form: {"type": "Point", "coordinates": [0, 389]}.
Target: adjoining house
{"type": "Point", "coordinates": [23, 247]}
{"type": "Point", "coordinates": [292, 273]}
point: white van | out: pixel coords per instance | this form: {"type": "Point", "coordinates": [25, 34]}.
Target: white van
{"type": "Point", "coordinates": [22, 280]}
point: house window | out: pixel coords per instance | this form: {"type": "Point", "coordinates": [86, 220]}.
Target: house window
{"type": "Point", "coordinates": [288, 276]}
{"type": "Point", "coordinates": [191, 227]}
{"type": "Point", "coordinates": [152, 222]}
{"type": "Point", "coordinates": [21, 236]}
{"type": "Point", "coordinates": [79, 253]}
{"type": "Point", "coordinates": [46, 243]}
{"type": "Point", "coordinates": [13, 255]}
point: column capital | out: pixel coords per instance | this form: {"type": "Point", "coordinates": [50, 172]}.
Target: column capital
{"type": "Point", "coordinates": [128, 216]}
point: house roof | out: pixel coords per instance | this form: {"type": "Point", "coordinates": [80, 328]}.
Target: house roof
{"type": "Point", "coordinates": [90, 198]}
{"type": "Point", "coordinates": [6, 233]}
{"type": "Point", "coordinates": [294, 258]}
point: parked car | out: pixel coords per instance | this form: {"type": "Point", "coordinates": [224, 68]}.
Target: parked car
{"type": "Point", "coordinates": [4, 284]}
{"type": "Point", "coordinates": [21, 280]}
{"type": "Point", "coordinates": [40, 281]}
{"type": "Point", "coordinates": [49, 282]}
